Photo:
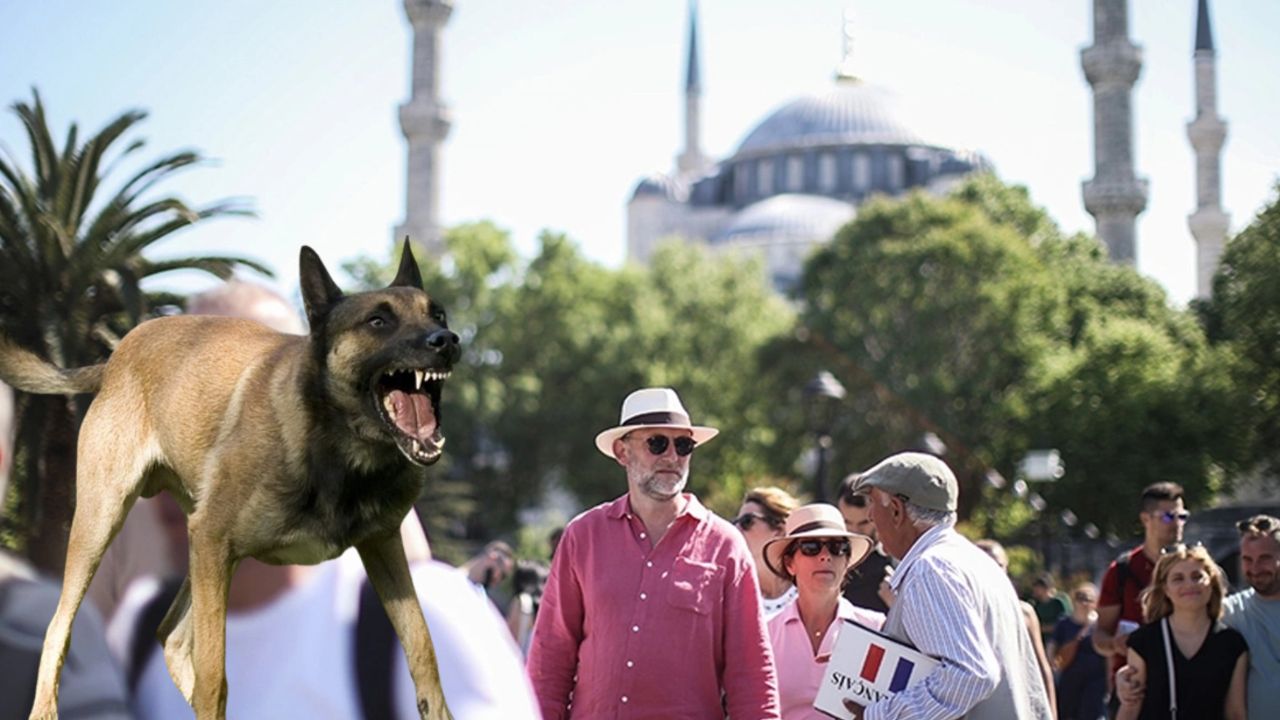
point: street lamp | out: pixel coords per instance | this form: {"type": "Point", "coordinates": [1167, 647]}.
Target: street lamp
{"type": "Point", "coordinates": [822, 397]}
{"type": "Point", "coordinates": [1042, 466]}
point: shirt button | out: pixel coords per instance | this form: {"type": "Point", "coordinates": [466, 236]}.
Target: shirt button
{"type": "Point", "coordinates": [635, 628]}
{"type": "Point", "coordinates": [644, 596]}
{"type": "Point", "coordinates": [624, 698]}
{"type": "Point", "coordinates": [630, 664]}
{"type": "Point", "coordinates": [648, 563]}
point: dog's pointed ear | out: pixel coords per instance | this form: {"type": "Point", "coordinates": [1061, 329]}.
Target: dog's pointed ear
{"type": "Point", "coordinates": [319, 292]}
{"type": "Point", "coordinates": [408, 275]}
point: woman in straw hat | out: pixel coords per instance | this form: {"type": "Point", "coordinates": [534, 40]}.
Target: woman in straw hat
{"type": "Point", "coordinates": [816, 554]}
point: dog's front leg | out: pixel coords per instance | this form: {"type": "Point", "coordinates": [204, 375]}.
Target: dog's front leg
{"type": "Point", "coordinates": [210, 576]}
{"type": "Point", "coordinates": [388, 570]}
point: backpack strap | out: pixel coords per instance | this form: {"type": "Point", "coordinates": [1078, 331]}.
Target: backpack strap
{"type": "Point", "coordinates": [375, 645]}
{"type": "Point", "coordinates": [144, 641]}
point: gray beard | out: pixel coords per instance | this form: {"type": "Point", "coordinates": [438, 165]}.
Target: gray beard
{"type": "Point", "coordinates": [659, 488]}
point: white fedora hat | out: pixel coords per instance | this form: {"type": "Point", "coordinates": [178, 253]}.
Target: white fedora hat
{"type": "Point", "coordinates": [817, 520]}
{"type": "Point", "coordinates": [652, 408]}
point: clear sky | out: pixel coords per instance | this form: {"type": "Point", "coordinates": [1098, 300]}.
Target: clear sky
{"type": "Point", "coordinates": [559, 106]}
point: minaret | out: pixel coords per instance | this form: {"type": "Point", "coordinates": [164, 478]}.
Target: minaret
{"type": "Point", "coordinates": [424, 120]}
{"type": "Point", "coordinates": [1111, 65]}
{"type": "Point", "coordinates": [692, 161]}
{"type": "Point", "coordinates": [1207, 132]}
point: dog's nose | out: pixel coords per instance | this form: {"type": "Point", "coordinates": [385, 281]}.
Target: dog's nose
{"type": "Point", "coordinates": [444, 342]}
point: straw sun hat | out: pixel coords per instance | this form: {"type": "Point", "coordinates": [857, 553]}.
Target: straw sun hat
{"type": "Point", "coordinates": [818, 520]}
{"type": "Point", "coordinates": [652, 408]}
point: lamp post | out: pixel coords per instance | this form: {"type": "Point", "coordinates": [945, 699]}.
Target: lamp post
{"type": "Point", "coordinates": [1042, 466]}
{"type": "Point", "coordinates": [822, 397]}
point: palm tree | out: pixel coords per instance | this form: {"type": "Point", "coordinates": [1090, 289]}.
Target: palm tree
{"type": "Point", "coordinates": [71, 272]}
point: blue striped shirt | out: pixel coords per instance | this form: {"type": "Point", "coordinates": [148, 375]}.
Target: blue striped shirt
{"type": "Point", "coordinates": [955, 604]}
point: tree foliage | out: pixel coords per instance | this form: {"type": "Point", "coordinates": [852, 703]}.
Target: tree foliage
{"type": "Point", "coordinates": [1243, 316]}
{"type": "Point", "coordinates": [72, 265]}
{"type": "Point", "coordinates": [975, 318]}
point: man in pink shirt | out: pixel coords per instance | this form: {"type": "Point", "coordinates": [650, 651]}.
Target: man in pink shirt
{"type": "Point", "coordinates": [651, 609]}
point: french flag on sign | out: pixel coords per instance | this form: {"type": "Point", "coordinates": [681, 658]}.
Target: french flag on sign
{"type": "Point", "coordinates": [872, 665]}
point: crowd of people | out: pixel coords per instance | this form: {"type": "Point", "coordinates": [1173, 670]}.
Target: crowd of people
{"type": "Point", "coordinates": [654, 606]}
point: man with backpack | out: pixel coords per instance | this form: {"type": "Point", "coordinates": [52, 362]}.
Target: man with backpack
{"type": "Point", "coordinates": [1163, 517]}
{"type": "Point", "coordinates": [91, 683]}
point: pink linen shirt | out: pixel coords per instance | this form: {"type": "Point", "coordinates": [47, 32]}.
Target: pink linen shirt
{"type": "Point", "coordinates": [627, 630]}
{"type": "Point", "coordinates": [799, 670]}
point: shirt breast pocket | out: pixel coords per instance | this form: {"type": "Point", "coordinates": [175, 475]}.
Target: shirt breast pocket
{"type": "Point", "coordinates": [695, 586]}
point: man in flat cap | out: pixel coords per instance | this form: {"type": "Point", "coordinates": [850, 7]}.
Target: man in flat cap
{"type": "Point", "coordinates": [652, 607]}
{"type": "Point", "coordinates": [954, 603]}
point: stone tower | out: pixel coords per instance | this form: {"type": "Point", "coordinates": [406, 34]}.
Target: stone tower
{"type": "Point", "coordinates": [691, 161]}
{"type": "Point", "coordinates": [1207, 132]}
{"type": "Point", "coordinates": [424, 120]}
{"type": "Point", "coordinates": [1115, 195]}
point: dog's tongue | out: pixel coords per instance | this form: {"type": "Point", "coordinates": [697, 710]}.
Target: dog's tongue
{"type": "Point", "coordinates": [414, 415]}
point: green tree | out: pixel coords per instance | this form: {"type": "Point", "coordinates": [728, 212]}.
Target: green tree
{"type": "Point", "coordinates": [71, 284]}
{"type": "Point", "coordinates": [1244, 316]}
{"type": "Point", "coordinates": [975, 318]}
{"type": "Point", "coordinates": [931, 314]}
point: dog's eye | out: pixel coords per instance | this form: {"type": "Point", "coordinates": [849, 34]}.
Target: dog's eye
{"type": "Point", "coordinates": [377, 321]}
{"type": "Point", "coordinates": [438, 314]}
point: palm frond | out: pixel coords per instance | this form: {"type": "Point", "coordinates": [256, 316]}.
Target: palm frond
{"type": "Point", "coordinates": [88, 162]}
{"type": "Point", "coordinates": [220, 266]}
{"type": "Point", "coordinates": [44, 154]}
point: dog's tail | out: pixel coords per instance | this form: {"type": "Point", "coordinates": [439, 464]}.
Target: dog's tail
{"type": "Point", "coordinates": [25, 371]}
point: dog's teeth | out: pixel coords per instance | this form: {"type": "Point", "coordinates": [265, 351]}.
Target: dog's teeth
{"type": "Point", "coordinates": [390, 406]}
{"type": "Point", "coordinates": [417, 379]}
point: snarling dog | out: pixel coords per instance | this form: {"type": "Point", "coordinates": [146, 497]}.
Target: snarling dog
{"type": "Point", "coordinates": [284, 448]}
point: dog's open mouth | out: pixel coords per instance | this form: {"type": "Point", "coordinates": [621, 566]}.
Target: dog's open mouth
{"type": "Point", "coordinates": [409, 401]}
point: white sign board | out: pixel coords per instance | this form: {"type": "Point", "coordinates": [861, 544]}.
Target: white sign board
{"type": "Point", "coordinates": [867, 666]}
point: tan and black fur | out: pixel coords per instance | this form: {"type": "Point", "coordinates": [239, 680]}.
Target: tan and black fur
{"type": "Point", "coordinates": [285, 448]}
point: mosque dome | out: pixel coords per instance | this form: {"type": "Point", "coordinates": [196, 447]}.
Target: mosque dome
{"type": "Point", "coordinates": [851, 113]}
{"type": "Point", "coordinates": [660, 185]}
{"type": "Point", "coordinates": [788, 217]}
{"type": "Point", "coordinates": [782, 230]}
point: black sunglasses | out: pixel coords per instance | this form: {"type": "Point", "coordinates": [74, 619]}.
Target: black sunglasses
{"type": "Point", "coordinates": [1169, 516]}
{"type": "Point", "coordinates": [812, 548]}
{"type": "Point", "coordinates": [1258, 523]}
{"type": "Point", "coordinates": [658, 444]}
{"type": "Point", "coordinates": [746, 520]}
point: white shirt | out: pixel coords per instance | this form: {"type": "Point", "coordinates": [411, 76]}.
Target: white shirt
{"type": "Point", "coordinates": [954, 603]}
{"type": "Point", "coordinates": [773, 606]}
{"type": "Point", "coordinates": [293, 657]}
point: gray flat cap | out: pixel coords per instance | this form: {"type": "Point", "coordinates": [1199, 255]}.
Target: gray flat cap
{"type": "Point", "coordinates": [922, 479]}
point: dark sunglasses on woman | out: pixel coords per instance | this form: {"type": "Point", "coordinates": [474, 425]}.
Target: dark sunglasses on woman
{"type": "Point", "coordinates": [658, 444]}
{"type": "Point", "coordinates": [812, 548]}
{"type": "Point", "coordinates": [746, 520]}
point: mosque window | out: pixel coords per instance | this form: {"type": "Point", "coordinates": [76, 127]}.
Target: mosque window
{"type": "Point", "coordinates": [764, 179]}
{"type": "Point", "coordinates": [861, 172]}
{"type": "Point", "coordinates": [827, 172]}
{"type": "Point", "coordinates": [795, 173]}
{"type": "Point", "coordinates": [895, 172]}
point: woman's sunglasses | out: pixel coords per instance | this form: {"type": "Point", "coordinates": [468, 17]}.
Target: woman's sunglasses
{"type": "Point", "coordinates": [746, 520]}
{"type": "Point", "coordinates": [658, 444]}
{"type": "Point", "coordinates": [812, 548]}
